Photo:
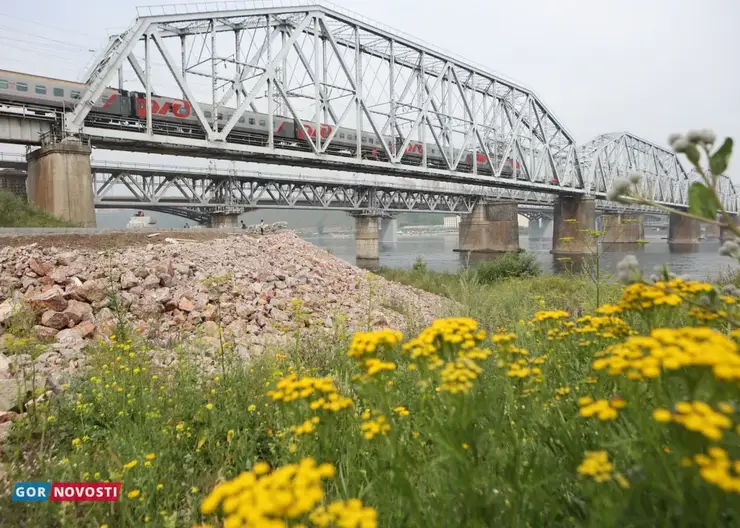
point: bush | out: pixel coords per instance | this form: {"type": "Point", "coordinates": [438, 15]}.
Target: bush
{"type": "Point", "coordinates": [507, 266]}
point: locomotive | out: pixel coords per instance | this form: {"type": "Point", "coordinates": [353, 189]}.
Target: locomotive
{"type": "Point", "coordinates": [175, 117]}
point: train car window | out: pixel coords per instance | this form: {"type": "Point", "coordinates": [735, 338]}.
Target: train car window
{"type": "Point", "coordinates": [74, 94]}
{"type": "Point", "coordinates": [241, 119]}
{"type": "Point", "coordinates": [21, 87]}
{"type": "Point", "coordinates": [369, 140]}
{"type": "Point", "coordinates": [3, 84]}
{"type": "Point", "coordinates": [262, 122]}
{"type": "Point", "coordinates": [41, 90]}
{"type": "Point", "coordinates": [341, 135]}
{"type": "Point", "coordinates": [58, 92]}
{"type": "Point", "coordinates": [207, 114]}
{"type": "Point", "coordinates": [251, 120]}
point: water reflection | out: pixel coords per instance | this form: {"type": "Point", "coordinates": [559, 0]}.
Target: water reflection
{"type": "Point", "coordinates": [698, 261]}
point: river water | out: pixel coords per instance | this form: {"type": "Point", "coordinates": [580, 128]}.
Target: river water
{"type": "Point", "coordinates": [437, 252]}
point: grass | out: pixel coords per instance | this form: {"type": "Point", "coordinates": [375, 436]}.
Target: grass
{"type": "Point", "coordinates": [498, 436]}
{"type": "Point", "coordinates": [15, 212]}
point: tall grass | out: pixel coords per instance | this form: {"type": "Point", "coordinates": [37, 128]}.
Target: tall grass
{"type": "Point", "coordinates": [14, 212]}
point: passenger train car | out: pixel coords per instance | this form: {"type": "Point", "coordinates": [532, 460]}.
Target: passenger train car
{"type": "Point", "coordinates": [175, 117]}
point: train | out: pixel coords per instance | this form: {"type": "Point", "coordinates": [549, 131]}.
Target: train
{"type": "Point", "coordinates": [120, 108]}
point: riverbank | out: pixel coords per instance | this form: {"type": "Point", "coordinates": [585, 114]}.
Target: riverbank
{"type": "Point", "coordinates": [482, 420]}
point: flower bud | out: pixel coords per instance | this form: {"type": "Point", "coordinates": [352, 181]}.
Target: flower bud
{"type": "Point", "coordinates": [629, 262]}
{"type": "Point", "coordinates": [708, 137]}
{"type": "Point", "coordinates": [694, 136]}
{"type": "Point", "coordinates": [620, 186]}
{"type": "Point", "coordinates": [673, 138]}
{"type": "Point", "coordinates": [635, 177]}
{"type": "Point", "coordinates": [680, 145]}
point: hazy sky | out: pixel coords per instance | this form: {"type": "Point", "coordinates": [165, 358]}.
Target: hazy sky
{"type": "Point", "coordinates": [651, 67]}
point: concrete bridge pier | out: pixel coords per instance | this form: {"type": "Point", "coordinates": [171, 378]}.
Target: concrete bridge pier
{"type": "Point", "coordinates": [572, 216]}
{"type": "Point", "coordinates": [367, 251]}
{"type": "Point", "coordinates": [623, 230]}
{"type": "Point", "coordinates": [490, 228]}
{"type": "Point", "coordinates": [60, 182]}
{"type": "Point", "coordinates": [725, 233]}
{"type": "Point", "coordinates": [389, 231]}
{"type": "Point", "coordinates": [223, 220]}
{"type": "Point", "coordinates": [683, 233]}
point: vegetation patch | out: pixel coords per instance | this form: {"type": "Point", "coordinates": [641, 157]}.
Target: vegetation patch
{"type": "Point", "coordinates": [15, 212]}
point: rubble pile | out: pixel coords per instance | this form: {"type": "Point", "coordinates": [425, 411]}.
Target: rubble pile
{"type": "Point", "coordinates": [245, 285]}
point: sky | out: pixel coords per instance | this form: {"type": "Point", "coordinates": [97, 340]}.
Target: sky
{"type": "Point", "coordinates": [650, 67]}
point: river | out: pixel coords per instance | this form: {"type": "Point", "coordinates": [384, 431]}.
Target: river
{"type": "Point", "coordinates": [437, 252]}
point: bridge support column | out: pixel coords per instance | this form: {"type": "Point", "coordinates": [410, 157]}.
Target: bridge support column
{"type": "Point", "coordinates": [389, 231]}
{"type": "Point", "coordinates": [490, 228]}
{"type": "Point", "coordinates": [60, 182]}
{"type": "Point", "coordinates": [367, 252]}
{"type": "Point", "coordinates": [712, 231]}
{"type": "Point", "coordinates": [725, 233]}
{"type": "Point", "coordinates": [573, 215]}
{"type": "Point", "coordinates": [223, 220]}
{"type": "Point", "coordinates": [623, 229]}
{"type": "Point", "coordinates": [683, 233]}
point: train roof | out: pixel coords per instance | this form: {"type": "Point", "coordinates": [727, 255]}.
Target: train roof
{"type": "Point", "coordinates": [42, 77]}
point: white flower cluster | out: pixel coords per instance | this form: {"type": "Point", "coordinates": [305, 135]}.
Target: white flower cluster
{"type": "Point", "coordinates": [628, 269]}
{"type": "Point", "coordinates": [730, 248]}
{"type": "Point", "coordinates": [621, 187]}
{"type": "Point", "coordinates": [680, 142]}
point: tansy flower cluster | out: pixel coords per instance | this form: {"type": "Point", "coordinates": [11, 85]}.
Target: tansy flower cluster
{"type": "Point", "coordinates": [461, 332]}
{"type": "Point", "coordinates": [602, 409]}
{"type": "Point", "coordinates": [321, 393]}
{"type": "Point", "coordinates": [264, 498]}
{"type": "Point", "coordinates": [719, 469]}
{"type": "Point", "coordinates": [554, 315]}
{"type": "Point", "coordinates": [697, 416]}
{"type": "Point", "coordinates": [368, 349]}
{"type": "Point", "coordinates": [643, 296]}
{"type": "Point", "coordinates": [345, 513]}
{"type": "Point", "coordinates": [671, 349]}
{"type": "Point", "coordinates": [371, 343]}
{"type": "Point", "coordinates": [452, 345]}
{"type": "Point", "coordinates": [373, 424]}
{"type": "Point", "coordinates": [597, 466]}
{"type": "Point", "coordinates": [524, 368]}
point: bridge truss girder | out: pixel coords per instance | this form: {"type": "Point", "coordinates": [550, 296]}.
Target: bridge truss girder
{"type": "Point", "coordinates": [663, 178]}
{"type": "Point", "coordinates": [132, 184]}
{"type": "Point", "coordinates": [314, 64]}
{"type": "Point", "coordinates": [208, 194]}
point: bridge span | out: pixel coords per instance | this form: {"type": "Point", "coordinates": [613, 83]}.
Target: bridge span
{"type": "Point", "coordinates": [308, 84]}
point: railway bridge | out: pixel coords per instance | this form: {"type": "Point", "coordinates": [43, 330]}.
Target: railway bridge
{"type": "Point", "coordinates": [310, 85]}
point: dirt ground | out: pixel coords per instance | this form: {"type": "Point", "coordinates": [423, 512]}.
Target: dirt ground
{"type": "Point", "coordinates": [108, 240]}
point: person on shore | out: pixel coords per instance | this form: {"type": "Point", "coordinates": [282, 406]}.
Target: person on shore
{"type": "Point", "coordinates": [187, 226]}
{"type": "Point", "coordinates": [244, 226]}
{"type": "Point", "coordinates": [262, 227]}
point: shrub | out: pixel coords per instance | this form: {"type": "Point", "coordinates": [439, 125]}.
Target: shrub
{"type": "Point", "coordinates": [419, 266]}
{"type": "Point", "coordinates": [507, 266]}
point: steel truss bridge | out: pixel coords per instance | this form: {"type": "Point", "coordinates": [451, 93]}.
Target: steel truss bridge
{"type": "Point", "coordinates": [195, 193]}
{"type": "Point", "coordinates": [318, 64]}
